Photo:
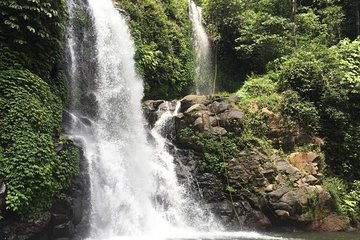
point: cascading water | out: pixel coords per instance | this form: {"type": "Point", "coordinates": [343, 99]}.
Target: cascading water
{"type": "Point", "coordinates": [134, 188]}
{"type": "Point", "coordinates": [204, 56]}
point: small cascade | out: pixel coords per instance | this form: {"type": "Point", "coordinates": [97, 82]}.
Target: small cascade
{"type": "Point", "coordinates": [204, 73]}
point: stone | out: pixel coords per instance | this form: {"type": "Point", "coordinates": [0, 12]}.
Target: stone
{"type": "Point", "coordinates": [153, 105]}
{"type": "Point", "coordinates": [219, 131]}
{"type": "Point", "coordinates": [230, 116]}
{"type": "Point", "coordinates": [195, 108]}
{"type": "Point", "coordinates": [335, 223]}
{"type": "Point", "coordinates": [269, 188]}
{"type": "Point", "coordinates": [310, 179]}
{"type": "Point", "coordinates": [282, 213]}
{"type": "Point", "coordinates": [244, 168]}
{"type": "Point", "coordinates": [219, 107]}
{"type": "Point", "coordinates": [190, 100]}
{"type": "Point", "coordinates": [233, 99]}
{"type": "Point", "coordinates": [269, 174]}
{"type": "Point", "coordinates": [39, 224]}
{"type": "Point", "coordinates": [290, 198]}
{"type": "Point", "coordinates": [267, 112]}
{"type": "Point", "coordinates": [204, 122]}
{"type": "Point", "coordinates": [65, 230]}
{"type": "Point", "coordinates": [277, 194]}
{"type": "Point", "coordinates": [258, 221]}
{"type": "Point", "coordinates": [58, 219]}
{"type": "Point", "coordinates": [305, 161]}
{"type": "Point", "coordinates": [281, 206]}
{"type": "Point", "coordinates": [284, 166]}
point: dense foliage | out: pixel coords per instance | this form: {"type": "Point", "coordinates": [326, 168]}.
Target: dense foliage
{"type": "Point", "coordinates": [32, 94]}
{"type": "Point", "coordinates": [251, 34]}
{"type": "Point", "coordinates": [309, 83]}
{"type": "Point", "coordinates": [162, 33]}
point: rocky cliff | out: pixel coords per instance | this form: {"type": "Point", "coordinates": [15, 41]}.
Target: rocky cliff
{"type": "Point", "coordinates": [248, 186]}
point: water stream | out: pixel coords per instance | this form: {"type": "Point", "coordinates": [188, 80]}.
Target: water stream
{"type": "Point", "coordinates": [204, 73]}
{"type": "Point", "coordinates": [135, 193]}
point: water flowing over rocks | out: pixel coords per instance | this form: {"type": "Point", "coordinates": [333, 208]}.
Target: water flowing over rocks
{"type": "Point", "coordinates": [257, 190]}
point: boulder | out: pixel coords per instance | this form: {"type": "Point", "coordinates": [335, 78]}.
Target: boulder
{"type": "Point", "coordinates": [190, 100]}
{"type": "Point", "coordinates": [219, 131]}
{"type": "Point", "coordinates": [305, 161]}
{"type": "Point", "coordinates": [244, 169]}
{"type": "Point", "coordinates": [258, 221]}
{"type": "Point", "coordinates": [152, 105]}
{"type": "Point", "coordinates": [277, 194]}
{"type": "Point", "coordinates": [282, 213]}
{"type": "Point", "coordinates": [194, 109]}
{"type": "Point", "coordinates": [205, 122]}
{"type": "Point", "coordinates": [230, 118]}
{"type": "Point", "coordinates": [335, 223]}
{"type": "Point", "coordinates": [65, 230]}
{"type": "Point", "coordinates": [219, 107]}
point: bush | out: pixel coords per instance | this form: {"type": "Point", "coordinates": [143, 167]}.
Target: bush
{"type": "Point", "coordinates": [162, 33]}
{"type": "Point", "coordinates": [31, 114]}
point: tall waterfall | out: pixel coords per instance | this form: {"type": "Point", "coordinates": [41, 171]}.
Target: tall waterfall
{"type": "Point", "coordinates": [204, 56]}
{"type": "Point", "coordinates": [135, 193]}
{"type": "Point", "coordinates": [134, 188]}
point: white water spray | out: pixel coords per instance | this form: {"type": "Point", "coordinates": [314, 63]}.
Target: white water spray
{"type": "Point", "coordinates": [204, 56]}
{"type": "Point", "coordinates": [134, 189]}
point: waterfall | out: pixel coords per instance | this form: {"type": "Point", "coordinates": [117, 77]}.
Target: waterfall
{"type": "Point", "coordinates": [204, 58]}
{"type": "Point", "coordinates": [134, 188]}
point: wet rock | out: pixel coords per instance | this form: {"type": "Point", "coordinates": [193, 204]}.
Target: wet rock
{"type": "Point", "coordinates": [89, 105]}
{"type": "Point", "coordinates": [65, 230]}
{"type": "Point", "coordinates": [57, 219]}
{"type": "Point", "coordinates": [152, 105]}
{"type": "Point", "coordinates": [2, 195]}
{"type": "Point", "coordinates": [257, 221]}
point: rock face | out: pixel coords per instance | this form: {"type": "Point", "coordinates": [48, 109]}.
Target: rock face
{"type": "Point", "coordinates": [67, 218]}
{"type": "Point", "coordinates": [245, 187]}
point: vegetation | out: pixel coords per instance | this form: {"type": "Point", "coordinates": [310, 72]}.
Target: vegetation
{"type": "Point", "coordinates": [32, 94]}
{"type": "Point", "coordinates": [299, 76]}
{"type": "Point", "coordinates": [251, 34]}
{"type": "Point", "coordinates": [162, 33]}
{"type": "Point", "coordinates": [294, 64]}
